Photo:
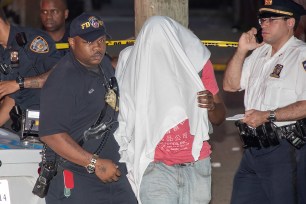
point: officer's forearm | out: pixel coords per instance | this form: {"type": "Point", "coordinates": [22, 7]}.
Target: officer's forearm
{"type": "Point", "coordinates": [36, 81]}
{"type": "Point", "coordinates": [232, 75]}
{"type": "Point", "coordinates": [66, 147]}
{"type": "Point", "coordinates": [293, 111]}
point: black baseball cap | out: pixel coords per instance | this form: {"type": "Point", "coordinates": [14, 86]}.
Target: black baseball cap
{"type": "Point", "coordinates": [88, 26]}
{"type": "Point", "coordinates": [275, 8]}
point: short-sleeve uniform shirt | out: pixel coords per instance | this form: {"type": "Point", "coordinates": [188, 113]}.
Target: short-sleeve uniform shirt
{"type": "Point", "coordinates": [71, 101]}
{"type": "Point", "coordinates": [276, 81]}
{"type": "Point", "coordinates": [29, 52]}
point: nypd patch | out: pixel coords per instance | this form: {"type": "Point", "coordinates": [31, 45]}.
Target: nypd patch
{"type": "Point", "coordinates": [304, 65]}
{"type": "Point", "coordinates": [39, 45]}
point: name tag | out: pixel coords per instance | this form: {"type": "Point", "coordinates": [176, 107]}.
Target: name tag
{"type": "Point", "coordinates": [4, 192]}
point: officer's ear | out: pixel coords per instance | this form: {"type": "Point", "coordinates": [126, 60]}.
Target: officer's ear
{"type": "Point", "coordinates": [71, 42]}
{"type": "Point", "coordinates": [291, 22]}
{"type": "Point", "coordinates": [66, 14]}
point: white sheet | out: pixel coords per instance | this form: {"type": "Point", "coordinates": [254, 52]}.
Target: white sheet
{"type": "Point", "coordinates": [158, 81]}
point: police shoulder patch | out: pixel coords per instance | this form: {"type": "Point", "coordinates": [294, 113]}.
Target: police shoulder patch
{"type": "Point", "coordinates": [39, 45]}
{"type": "Point", "coordinates": [304, 65]}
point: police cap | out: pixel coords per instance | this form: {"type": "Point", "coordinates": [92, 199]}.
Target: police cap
{"type": "Point", "coordinates": [275, 8]}
{"type": "Point", "coordinates": [88, 26]}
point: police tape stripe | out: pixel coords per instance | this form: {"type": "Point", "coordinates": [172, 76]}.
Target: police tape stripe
{"type": "Point", "coordinates": [219, 67]}
{"type": "Point", "coordinates": [60, 46]}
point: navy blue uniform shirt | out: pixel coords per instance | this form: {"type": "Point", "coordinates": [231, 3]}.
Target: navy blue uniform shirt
{"type": "Point", "coordinates": [71, 101]}
{"type": "Point", "coordinates": [29, 55]}
{"type": "Point", "coordinates": [64, 39]}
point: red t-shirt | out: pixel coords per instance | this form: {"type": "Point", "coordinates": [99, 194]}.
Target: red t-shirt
{"type": "Point", "coordinates": [176, 145]}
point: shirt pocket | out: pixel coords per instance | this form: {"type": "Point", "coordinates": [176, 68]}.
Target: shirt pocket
{"type": "Point", "coordinates": [278, 94]}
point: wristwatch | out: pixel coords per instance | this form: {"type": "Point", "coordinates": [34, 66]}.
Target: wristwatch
{"type": "Point", "coordinates": [272, 116]}
{"type": "Point", "coordinates": [20, 82]}
{"type": "Point", "coordinates": [92, 165]}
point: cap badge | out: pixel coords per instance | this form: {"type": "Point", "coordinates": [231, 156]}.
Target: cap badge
{"type": "Point", "coordinates": [92, 22]}
{"type": "Point", "coordinates": [268, 2]}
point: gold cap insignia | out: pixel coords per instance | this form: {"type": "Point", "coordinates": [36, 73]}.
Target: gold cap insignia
{"type": "Point", "coordinates": [268, 2]}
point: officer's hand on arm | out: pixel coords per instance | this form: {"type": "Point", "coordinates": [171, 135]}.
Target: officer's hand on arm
{"type": "Point", "coordinates": [107, 171]}
{"type": "Point", "coordinates": [214, 104]}
{"type": "Point", "coordinates": [8, 87]}
{"type": "Point", "coordinates": [255, 118]}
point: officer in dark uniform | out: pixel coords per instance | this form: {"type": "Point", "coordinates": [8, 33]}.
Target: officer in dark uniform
{"type": "Point", "coordinates": [24, 52]}
{"type": "Point", "coordinates": [53, 15]}
{"type": "Point", "coordinates": [77, 121]}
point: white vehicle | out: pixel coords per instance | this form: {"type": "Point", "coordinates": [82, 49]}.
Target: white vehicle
{"type": "Point", "coordinates": [19, 163]}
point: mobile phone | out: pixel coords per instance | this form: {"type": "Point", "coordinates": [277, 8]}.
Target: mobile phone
{"type": "Point", "coordinates": [258, 36]}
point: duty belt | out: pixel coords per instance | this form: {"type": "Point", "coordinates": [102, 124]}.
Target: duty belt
{"type": "Point", "coordinates": [269, 134]}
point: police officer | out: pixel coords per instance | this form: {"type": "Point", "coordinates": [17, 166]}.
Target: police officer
{"type": "Point", "coordinates": [24, 52]}
{"type": "Point", "coordinates": [274, 80]}
{"type": "Point", "coordinates": [75, 94]}
{"type": "Point", "coordinates": [53, 15]}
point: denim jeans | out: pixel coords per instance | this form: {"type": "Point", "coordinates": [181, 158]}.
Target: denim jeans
{"type": "Point", "coordinates": [190, 184]}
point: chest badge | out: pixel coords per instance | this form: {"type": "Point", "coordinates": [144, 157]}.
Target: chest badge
{"type": "Point", "coordinates": [276, 71]}
{"type": "Point", "coordinates": [111, 99]}
{"type": "Point", "coordinates": [14, 57]}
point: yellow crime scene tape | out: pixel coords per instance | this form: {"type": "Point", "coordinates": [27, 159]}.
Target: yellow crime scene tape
{"type": "Point", "coordinates": [217, 67]}
{"type": "Point", "coordinates": [217, 43]}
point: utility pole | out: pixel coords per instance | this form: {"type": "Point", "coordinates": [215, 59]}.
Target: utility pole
{"type": "Point", "coordinates": [28, 11]}
{"type": "Point", "coordinates": [176, 9]}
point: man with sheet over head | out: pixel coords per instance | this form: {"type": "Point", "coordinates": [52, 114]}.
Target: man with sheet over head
{"type": "Point", "coordinates": [165, 109]}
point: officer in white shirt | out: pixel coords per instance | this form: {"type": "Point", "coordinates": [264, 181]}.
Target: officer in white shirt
{"type": "Point", "coordinates": [273, 167]}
